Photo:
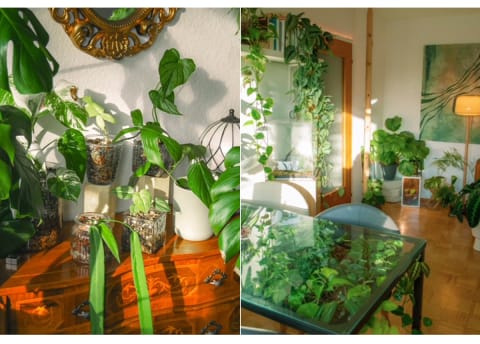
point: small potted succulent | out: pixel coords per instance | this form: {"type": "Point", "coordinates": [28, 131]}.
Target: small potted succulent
{"type": "Point", "coordinates": [147, 216]}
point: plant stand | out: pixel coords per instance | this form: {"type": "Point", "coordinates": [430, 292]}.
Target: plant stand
{"type": "Point", "coordinates": [392, 190]}
{"type": "Point", "coordinates": [100, 199]}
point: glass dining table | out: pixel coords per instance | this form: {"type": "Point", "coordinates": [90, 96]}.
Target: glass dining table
{"type": "Point", "coordinates": [318, 276]}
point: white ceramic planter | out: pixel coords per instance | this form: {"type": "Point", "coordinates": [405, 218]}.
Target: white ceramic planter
{"type": "Point", "coordinates": [476, 235]}
{"type": "Point", "coordinates": [190, 216]}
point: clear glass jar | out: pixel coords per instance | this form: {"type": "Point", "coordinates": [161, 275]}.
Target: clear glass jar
{"type": "Point", "coordinates": [80, 240]}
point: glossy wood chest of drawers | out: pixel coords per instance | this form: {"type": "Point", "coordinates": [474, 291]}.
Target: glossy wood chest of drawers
{"type": "Point", "coordinates": [40, 296]}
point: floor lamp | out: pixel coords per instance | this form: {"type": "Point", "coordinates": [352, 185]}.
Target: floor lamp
{"type": "Point", "coordinates": [469, 106]}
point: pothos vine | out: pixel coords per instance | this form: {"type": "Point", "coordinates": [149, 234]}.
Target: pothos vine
{"type": "Point", "coordinates": [254, 32]}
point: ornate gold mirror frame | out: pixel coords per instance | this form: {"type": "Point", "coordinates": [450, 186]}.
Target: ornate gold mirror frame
{"type": "Point", "coordinates": [104, 38]}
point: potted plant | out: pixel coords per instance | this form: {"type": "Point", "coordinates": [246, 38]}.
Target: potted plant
{"type": "Point", "coordinates": [102, 153]}
{"type": "Point", "coordinates": [467, 205]}
{"type": "Point", "coordinates": [33, 71]}
{"type": "Point", "coordinates": [374, 195]}
{"type": "Point", "coordinates": [147, 216]}
{"type": "Point", "coordinates": [175, 71]}
{"type": "Point", "coordinates": [442, 192]}
{"type": "Point", "coordinates": [386, 146]}
{"type": "Point", "coordinates": [306, 42]}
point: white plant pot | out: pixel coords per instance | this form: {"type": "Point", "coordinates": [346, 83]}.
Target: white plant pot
{"type": "Point", "coordinates": [476, 235]}
{"type": "Point", "coordinates": [190, 216]}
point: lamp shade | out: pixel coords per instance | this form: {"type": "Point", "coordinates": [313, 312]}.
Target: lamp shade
{"type": "Point", "coordinates": [467, 105]}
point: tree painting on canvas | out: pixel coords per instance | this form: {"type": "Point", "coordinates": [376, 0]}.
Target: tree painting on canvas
{"type": "Point", "coordinates": [449, 70]}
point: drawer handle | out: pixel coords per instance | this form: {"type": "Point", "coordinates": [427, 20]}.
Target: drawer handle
{"type": "Point", "coordinates": [212, 328]}
{"type": "Point", "coordinates": [79, 312]}
{"type": "Point", "coordinates": [216, 278]}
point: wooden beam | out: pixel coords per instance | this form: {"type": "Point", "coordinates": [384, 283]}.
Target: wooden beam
{"type": "Point", "coordinates": [368, 100]}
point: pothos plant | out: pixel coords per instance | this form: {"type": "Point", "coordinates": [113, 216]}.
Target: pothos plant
{"type": "Point", "coordinates": [306, 42]}
{"type": "Point", "coordinates": [174, 71]}
{"type": "Point", "coordinates": [255, 31]}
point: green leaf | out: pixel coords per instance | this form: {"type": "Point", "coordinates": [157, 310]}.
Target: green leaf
{"type": "Point", "coordinates": [174, 71]}
{"type": "Point", "coordinates": [7, 141]}
{"type": "Point", "coordinates": [124, 191]}
{"type": "Point", "coordinates": [222, 210]}
{"type": "Point", "coordinates": [27, 198]}
{"type": "Point", "coordinates": [328, 311]}
{"type": "Point", "coordinates": [97, 281]}
{"type": "Point", "coordinates": [109, 239]}
{"type": "Point", "coordinates": [137, 117]}
{"type": "Point", "coordinates": [141, 202]}
{"type": "Point", "coordinates": [141, 286]}
{"type": "Point", "coordinates": [21, 124]}
{"type": "Point", "coordinates": [33, 65]}
{"type": "Point", "coordinates": [69, 113]}
{"type": "Point", "coordinates": [228, 181]}
{"type": "Point", "coordinates": [5, 180]}
{"type": "Point", "coordinates": [15, 232]}
{"type": "Point", "coordinates": [229, 240]}
{"type": "Point", "coordinates": [73, 147]}
{"type": "Point", "coordinates": [200, 181]}
{"type": "Point", "coordinates": [65, 184]}
{"type": "Point", "coordinates": [232, 157]}
{"type": "Point", "coordinates": [427, 322]}
{"type": "Point", "coordinates": [308, 310]}
{"type": "Point", "coordinates": [164, 102]}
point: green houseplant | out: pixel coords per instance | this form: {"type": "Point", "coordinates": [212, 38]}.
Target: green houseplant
{"type": "Point", "coordinates": [386, 145]}
{"type": "Point", "coordinates": [259, 108]}
{"type": "Point", "coordinates": [147, 216]}
{"type": "Point", "coordinates": [33, 69]}
{"type": "Point", "coordinates": [306, 42]}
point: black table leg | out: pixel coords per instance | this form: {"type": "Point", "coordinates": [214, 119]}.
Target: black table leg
{"type": "Point", "coordinates": [418, 294]}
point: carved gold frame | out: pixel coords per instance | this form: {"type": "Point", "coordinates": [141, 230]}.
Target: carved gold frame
{"type": "Point", "coordinates": [102, 38]}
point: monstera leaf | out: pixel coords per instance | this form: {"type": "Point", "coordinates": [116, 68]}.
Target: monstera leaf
{"type": "Point", "coordinates": [33, 65]}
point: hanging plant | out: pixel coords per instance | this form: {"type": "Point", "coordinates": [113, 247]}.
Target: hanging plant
{"type": "Point", "coordinates": [255, 31]}
{"type": "Point", "coordinates": [305, 44]}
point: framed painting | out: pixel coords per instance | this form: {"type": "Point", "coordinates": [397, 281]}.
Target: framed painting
{"type": "Point", "coordinates": [411, 188]}
{"type": "Point", "coordinates": [449, 70]}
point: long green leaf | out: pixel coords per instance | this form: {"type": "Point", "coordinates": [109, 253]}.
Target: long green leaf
{"type": "Point", "coordinates": [7, 141]}
{"type": "Point", "coordinates": [27, 198]}
{"type": "Point", "coordinates": [5, 180]}
{"type": "Point", "coordinates": [229, 240]}
{"type": "Point", "coordinates": [109, 239]}
{"type": "Point", "coordinates": [97, 281]}
{"type": "Point", "coordinates": [200, 181]}
{"type": "Point", "coordinates": [21, 124]}
{"type": "Point", "coordinates": [141, 286]}
{"type": "Point", "coordinates": [222, 210]}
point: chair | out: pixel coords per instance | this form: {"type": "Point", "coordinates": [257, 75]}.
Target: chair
{"type": "Point", "coordinates": [281, 195]}
{"type": "Point", "coordinates": [359, 214]}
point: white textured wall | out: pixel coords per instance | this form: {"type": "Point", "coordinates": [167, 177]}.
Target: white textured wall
{"type": "Point", "coordinates": [208, 36]}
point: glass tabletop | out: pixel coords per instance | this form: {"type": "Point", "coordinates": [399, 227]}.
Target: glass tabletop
{"type": "Point", "coordinates": [317, 275]}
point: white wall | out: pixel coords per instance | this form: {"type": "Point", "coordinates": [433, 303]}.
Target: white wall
{"type": "Point", "coordinates": [399, 39]}
{"type": "Point", "coordinates": [208, 36]}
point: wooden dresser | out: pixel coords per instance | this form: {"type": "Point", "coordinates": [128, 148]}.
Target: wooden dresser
{"type": "Point", "coordinates": [40, 296]}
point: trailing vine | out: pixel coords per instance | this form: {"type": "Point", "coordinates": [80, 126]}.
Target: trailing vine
{"type": "Point", "coordinates": [305, 44]}
{"type": "Point", "coordinates": [255, 31]}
